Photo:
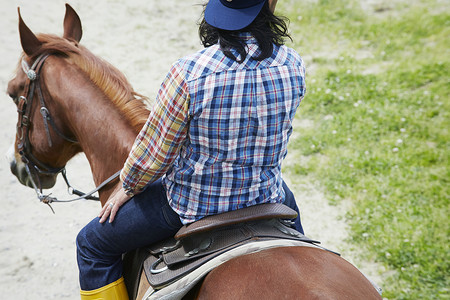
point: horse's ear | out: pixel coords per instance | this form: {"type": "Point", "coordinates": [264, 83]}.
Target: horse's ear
{"type": "Point", "coordinates": [29, 41]}
{"type": "Point", "coordinates": [72, 25]}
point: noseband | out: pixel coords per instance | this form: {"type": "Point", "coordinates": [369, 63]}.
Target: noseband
{"type": "Point", "coordinates": [32, 164]}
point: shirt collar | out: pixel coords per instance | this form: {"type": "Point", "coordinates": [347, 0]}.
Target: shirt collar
{"type": "Point", "coordinates": [247, 37]}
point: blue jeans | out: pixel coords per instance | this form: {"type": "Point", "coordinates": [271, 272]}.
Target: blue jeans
{"type": "Point", "coordinates": [290, 201]}
{"type": "Point", "coordinates": [145, 219]}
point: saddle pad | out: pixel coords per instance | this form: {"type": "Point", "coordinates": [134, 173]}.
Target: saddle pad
{"type": "Point", "coordinates": [181, 287]}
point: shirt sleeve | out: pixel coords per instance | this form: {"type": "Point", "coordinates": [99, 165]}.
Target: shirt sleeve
{"type": "Point", "coordinates": [160, 140]}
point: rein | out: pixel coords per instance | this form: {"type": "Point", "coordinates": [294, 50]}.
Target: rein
{"type": "Point", "coordinates": [32, 165]}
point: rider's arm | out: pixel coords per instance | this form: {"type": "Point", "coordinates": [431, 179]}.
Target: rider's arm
{"type": "Point", "coordinates": [160, 140]}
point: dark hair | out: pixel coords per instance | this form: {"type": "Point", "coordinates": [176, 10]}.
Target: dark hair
{"type": "Point", "coordinates": [267, 29]}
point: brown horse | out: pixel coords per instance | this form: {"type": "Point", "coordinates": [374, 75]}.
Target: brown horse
{"type": "Point", "coordinates": [79, 102]}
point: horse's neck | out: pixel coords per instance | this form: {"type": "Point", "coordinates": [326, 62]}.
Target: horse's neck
{"type": "Point", "coordinates": [104, 135]}
{"type": "Point", "coordinates": [106, 144]}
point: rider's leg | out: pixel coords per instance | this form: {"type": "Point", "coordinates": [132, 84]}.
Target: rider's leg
{"type": "Point", "coordinates": [290, 201]}
{"type": "Point", "coordinates": [143, 220]}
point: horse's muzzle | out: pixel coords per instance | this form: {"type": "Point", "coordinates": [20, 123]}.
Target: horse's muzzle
{"type": "Point", "coordinates": [19, 170]}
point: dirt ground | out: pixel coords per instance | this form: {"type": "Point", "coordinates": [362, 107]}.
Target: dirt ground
{"type": "Point", "coordinates": [141, 38]}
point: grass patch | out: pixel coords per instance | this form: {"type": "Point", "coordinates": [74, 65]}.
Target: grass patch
{"type": "Point", "coordinates": [378, 88]}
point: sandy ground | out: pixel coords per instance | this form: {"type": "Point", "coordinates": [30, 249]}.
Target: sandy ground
{"type": "Point", "coordinates": [141, 38]}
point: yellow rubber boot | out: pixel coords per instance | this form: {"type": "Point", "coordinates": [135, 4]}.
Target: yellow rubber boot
{"type": "Point", "coordinates": [112, 291]}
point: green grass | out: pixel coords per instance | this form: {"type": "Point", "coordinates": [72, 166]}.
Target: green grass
{"type": "Point", "coordinates": [378, 97]}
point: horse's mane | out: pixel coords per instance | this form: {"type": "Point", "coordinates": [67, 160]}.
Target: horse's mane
{"type": "Point", "coordinates": [104, 75]}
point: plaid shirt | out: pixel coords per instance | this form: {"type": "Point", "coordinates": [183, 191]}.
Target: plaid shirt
{"type": "Point", "coordinates": [219, 131]}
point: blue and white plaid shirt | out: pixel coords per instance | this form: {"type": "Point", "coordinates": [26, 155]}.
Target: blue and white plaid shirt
{"type": "Point", "coordinates": [233, 137]}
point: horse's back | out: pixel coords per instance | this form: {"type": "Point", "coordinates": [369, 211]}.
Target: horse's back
{"type": "Point", "coordinates": [287, 273]}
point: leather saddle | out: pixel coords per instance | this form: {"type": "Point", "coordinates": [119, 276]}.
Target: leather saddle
{"type": "Point", "coordinates": [202, 241]}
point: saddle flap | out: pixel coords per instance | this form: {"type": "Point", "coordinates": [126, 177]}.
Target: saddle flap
{"type": "Point", "coordinates": [249, 214]}
{"type": "Point", "coordinates": [196, 246]}
{"type": "Point", "coordinates": [175, 261]}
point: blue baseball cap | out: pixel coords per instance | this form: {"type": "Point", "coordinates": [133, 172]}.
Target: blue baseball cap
{"type": "Point", "coordinates": [232, 14]}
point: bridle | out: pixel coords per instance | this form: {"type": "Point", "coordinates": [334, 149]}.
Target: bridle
{"type": "Point", "coordinates": [32, 164]}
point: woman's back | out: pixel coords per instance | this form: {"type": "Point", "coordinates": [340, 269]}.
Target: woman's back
{"type": "Point", "coordinates": [240, 121]}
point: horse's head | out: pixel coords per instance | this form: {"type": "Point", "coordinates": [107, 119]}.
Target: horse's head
{"type": "Point", "coordinates": [43, 141]}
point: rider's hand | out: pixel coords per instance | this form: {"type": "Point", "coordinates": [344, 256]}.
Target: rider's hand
{"type": "Point", "coordinates": [115, 201]}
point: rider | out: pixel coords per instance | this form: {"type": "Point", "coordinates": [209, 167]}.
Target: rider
{"type": "Point", "coordinates": [213, 142]}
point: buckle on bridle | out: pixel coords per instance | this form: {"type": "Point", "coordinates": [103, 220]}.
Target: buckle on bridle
{"type": "Point", "coordinates": [25, 121]}
{"type": "Point", "coordinates": [23, 98]}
